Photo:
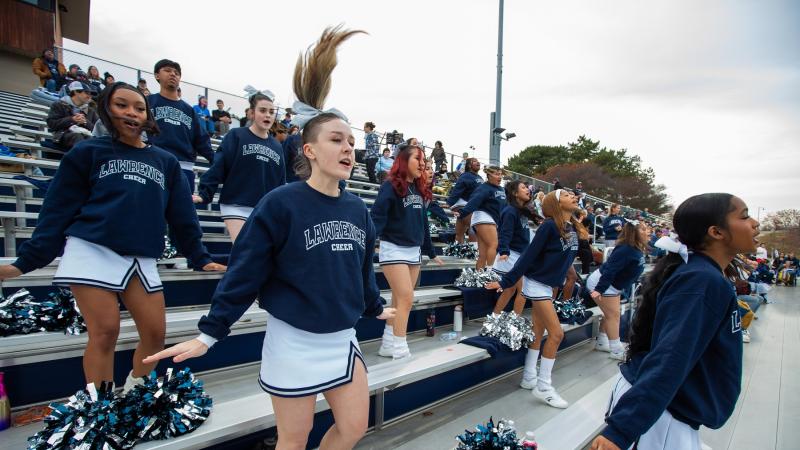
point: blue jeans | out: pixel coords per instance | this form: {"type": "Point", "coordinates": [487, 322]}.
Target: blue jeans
{"type": "Point", "coordinates": [50, 85]}
{"type": "Point", "coordinates": [753, 301]}
{"type": "Point", "coordinates": [208, 125]}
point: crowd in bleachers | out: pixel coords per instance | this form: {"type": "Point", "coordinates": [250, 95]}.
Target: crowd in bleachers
{"type": "Point", "coordinates": [493, 214]}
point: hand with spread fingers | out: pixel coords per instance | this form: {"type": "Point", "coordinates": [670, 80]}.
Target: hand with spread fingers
{"type": "Point", "coordinates": [180, 352]}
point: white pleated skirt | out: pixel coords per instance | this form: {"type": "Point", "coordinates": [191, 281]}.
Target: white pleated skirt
{"type": "Point", "coordinates": [235, 211]}
{"type": "Point", "coordinates": [88, 264]}
{"type": "Point", "coordinates": [298, 363]}
{"type": "Point", "coordinates": [503, 267]}
{"type": "Point", "coordinates": [395, 254]}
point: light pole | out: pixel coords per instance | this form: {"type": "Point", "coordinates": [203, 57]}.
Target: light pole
{"type": "Point", "coordinates": [758, 213]}
{"type": "Point", "coordinates": [494, 138]}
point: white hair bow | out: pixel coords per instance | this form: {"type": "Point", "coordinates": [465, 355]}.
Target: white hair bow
{"type": "Point", "coordinates": [673, 245]}
{"type": "Point", "coordinates": [251, 91]}
{"type": "Point", "coordinates": [303, 113]}
{"type": "Point", "coordinates": [558, 194]}
{"type": "Point", "coordinates": [632, 222]}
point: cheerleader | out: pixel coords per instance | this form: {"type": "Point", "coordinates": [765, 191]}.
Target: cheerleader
{"type": "Point", "coordinates": [514, 237]}
{"type": "Point", "coordinates": [461, 193]}
{"type": "Point", "coordinates": [249, 164]}
{"type": "Point", "coordinates": [620, 271]}
{"type": "Point", "coordinates": [401, 223]}
{"type": "Point", "coordinates": [108, 255]}
{"type": "Point", "coordinates": [483, 209]}
{"type": "Point", "coordinates": [544, 264]}
{"type": "Point", "coordinates": [612, 225]}
{"type": "Point", "coordinates": [310, 345]}
{"type": "Point", "coordinates": [684, 362]}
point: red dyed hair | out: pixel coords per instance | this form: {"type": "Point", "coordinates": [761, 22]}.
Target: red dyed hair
{"type": "Point", "coordinates": [398, 175]}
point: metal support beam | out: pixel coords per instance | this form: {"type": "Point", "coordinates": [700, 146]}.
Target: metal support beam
{"type": "Point", "coordinates": [494, 143]}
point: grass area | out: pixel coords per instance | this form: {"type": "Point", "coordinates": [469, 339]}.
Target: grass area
{"type": "Point", "coordinates": [786, 241]}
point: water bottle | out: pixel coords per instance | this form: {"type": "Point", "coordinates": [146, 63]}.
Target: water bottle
{"type": "Point", "coordinates": [5, 407]}
{"type": "Point", "coordinates": [449, 336]}
{"type": "Point", "coordinates": [458, 318]}
{"type": "Point", "coordinates": [430, 330]}
{"type": "Point", "coordinates": [530, 441]}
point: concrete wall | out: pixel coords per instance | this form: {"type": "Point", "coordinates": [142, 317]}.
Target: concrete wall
{"type": "Point", "coordinates": [16, 75]}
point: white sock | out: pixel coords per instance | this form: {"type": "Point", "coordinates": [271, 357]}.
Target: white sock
{"type": "Point", "coordinates": [400, 342]}
{"type": "Point", "coordinates": [545, 370]}
{"type": "Point", "coordinates": [529, 372]}
{"type": "Point", "coordinates": [615, 345]}
{"type": "Point", "coordinates": [388, 334]}
{"type": "Point", "coordinates": [602, 338]}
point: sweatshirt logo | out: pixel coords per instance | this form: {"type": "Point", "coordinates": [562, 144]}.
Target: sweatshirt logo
{"type": "Point", "coordinates": [571, 243]}
{"type": "Point", "coordinates": [334, 230]}
{"type": "Point", "coordinates": [172, 115]}
{"type": "Point", "coordinates": [500, 194]}
{"type": "Point", "coordinates": [414, 200]}
{"type": "Point", "coordinates": [736, 321]}
{"type": "Point", "coordinates": [132, 170]}
{"type": "Point", "coordinates": [262, 152]}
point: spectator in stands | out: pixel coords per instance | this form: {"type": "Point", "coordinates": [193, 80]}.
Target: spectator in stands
{"type": "Point", "coordinates": [786, 273]}
{"type": "Point", "coordinates": [143, 87]}
{"type": "Point", "coordinates": [401, 224]}
{"type": "Point", "coordinates": [71, 119]}
{"type": "Point", "coordinates": [49, 70]}
{"type": "Point", "coordinates": [656, 252]}
{"type": "Point", "coordinates": [373, 148]}
{"type": "Point", "coordinates": [221, 119]}
{"type": "Point", "coordinates": [514, 236]}
{"type": "Point", "coordinates": [557, 184]}
{"type": "Point", "coordinates": [441, 169]}
{"type": "Point", "coordinates": [620, 271]}
{"type": "Point", "coordinates": [181, 130]}
{"type": "Point", "coordinates": [595, 226]}
{"type": "Point", "coordinates": [108, 79]}
{"type": "Point", "coordinates": [612, 225]}
{"type": "Point", "coordinates": [294, 129]}
{"type": "Point", "coordinates": [287, 118]}
{"type": "Point", "coordinates": [537, 203]}
{"type": "Point", "coordinates": [94, 81]}
{"type": "Point", "coordinates": [279, 132]}
{"type": "Point", "coordinates": [761, 251]}
{"type": "Point", "coordinates": [74, 74]}
{"type": "Point", "coordinates": [584, 246]}
{"type": "Point", "coordinates": [432, 205]}
{"type": "Point", "coordinates": [384, 165]}
{"type": "Point", "coordinates": [88, 207]}
{"type": "Point", "coordinates": [684, 363]}
{"type": "Point", "coordinates": [249, 164]}
{"type": "Point", "coordinates": [461, 192]}
{"type": "Point", "coordinates": [247, 119]}
{"type": "Point", "coordinates": [201, 109]}
{"type": "Point", "coordinates": [578, 189]}
{"type": "Point", "coordinates": [462, 165]}
{"type": "Point", "coordinates": [310, 347]}
{"type": "Point", "coordinates": [438, 154]}
{"type": "Point", "coordinates": [545, 263]}
{"type": "Point", "coordinates": [484, 208]}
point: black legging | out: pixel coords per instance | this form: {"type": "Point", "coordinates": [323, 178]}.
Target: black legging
{"type": "Point", "coordinates": [585, 255]}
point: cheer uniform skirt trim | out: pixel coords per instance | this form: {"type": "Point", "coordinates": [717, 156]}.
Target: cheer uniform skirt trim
{"type": "Point", "coordinates": [503, 267]}
{"type": "Point", "coordinates": [298, 363]}
{"type": "Point", "coordinates": [480, 218]}
{"type": "Point", "coordinates": [88, 264]}
{"type": "Point", "coordinates": [395, 254]}
{"type": "Point", "coordinates": [235, 212]}
{"type": "Point", "coordinates": [592, 281]}
{"type": "Point", "coordinates": [536, 291]}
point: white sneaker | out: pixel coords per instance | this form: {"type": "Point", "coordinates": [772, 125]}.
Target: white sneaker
{"type": "Point", "coordinates": [131, 382]}
{"type": "Point", "coordinates": [528, 383]}
{"type": "Point", "coordinates": [602, 347]}
{"type": "Point", "coordinates": [386, 350]}
{"type": "Point", "coordinates": [551, 397]}
{"type": "Point", "coordinates": [183, 265]}
{"type": "Point", "coordinates": [745, 336]}
{"type": "Point", "coordinates": [619, 356]}
{"type": "Point", "coordinates": [401, 353]}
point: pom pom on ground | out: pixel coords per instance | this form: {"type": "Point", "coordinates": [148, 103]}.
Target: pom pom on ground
{"type": "Point", "coordinates": [510, 329]}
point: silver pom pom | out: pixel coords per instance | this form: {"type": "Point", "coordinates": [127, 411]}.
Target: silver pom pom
{"type": "Point", "coordinates": [514, 331]}
{"type": "Point", "coordinates": [474, 278]}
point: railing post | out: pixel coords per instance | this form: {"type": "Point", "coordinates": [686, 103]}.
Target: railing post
{"type": "Point", "coordinates": [138, 76]}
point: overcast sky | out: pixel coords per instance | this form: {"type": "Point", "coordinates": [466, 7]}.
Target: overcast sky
{"type": "Point", "coordinates": [706, 92]}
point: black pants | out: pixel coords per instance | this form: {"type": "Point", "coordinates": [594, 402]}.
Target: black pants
{"type": "Point", "coordinates": [371, 162]}
{"type": "Point", "coordinates": [69, 139]}
{"type": "Point", "coordinates": [585, 255]}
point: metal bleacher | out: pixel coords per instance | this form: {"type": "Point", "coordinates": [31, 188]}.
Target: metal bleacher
{"type": "Point", "coordinates": [438, 371]}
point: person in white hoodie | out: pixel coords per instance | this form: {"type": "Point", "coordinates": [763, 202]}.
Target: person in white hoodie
{"type": "Point", "coordinates": [761, 252]}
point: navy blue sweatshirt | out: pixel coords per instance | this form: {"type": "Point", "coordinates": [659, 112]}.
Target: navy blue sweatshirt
{"type": "Point", "coordinates": [465, 185]}
{"type": "Point", "coordinates": [180, 130]}
{"type": "Point", "coordinates": [547, 258]}
{"type": "Point", "coordinates": [610, 226]}
{"type": "Point", "coordinates": [436, 211]}
{"type": "Point", "coordinates": [247, 166]}
{"type": "Point", "coordinates": [487, 198]}
{"type": "Point", "coordinates": [117, 196]}
{"type": "Point", "coordinates": [403, 220]}
{"type": "Point", "coordinates": [694, 366]}
{"type": "Point", "coordinates": [622, 269]}
{"type": "Point", "coordinates": [513, 232]}
{"type": "Point", "coordinates": [307, 257]}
